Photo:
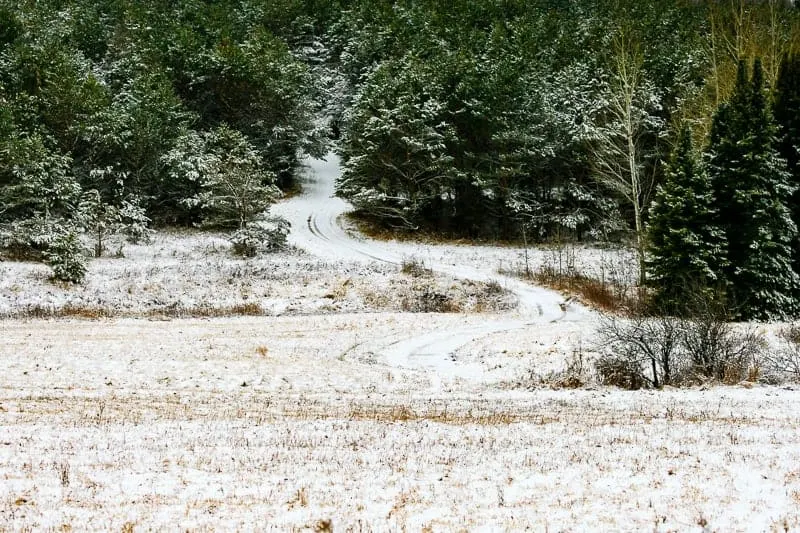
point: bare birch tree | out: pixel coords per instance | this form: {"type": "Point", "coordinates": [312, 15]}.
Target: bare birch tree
{"type": "Point", "coordinates": [620, 152]}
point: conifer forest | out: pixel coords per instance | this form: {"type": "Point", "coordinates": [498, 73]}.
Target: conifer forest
{"type": "Point", "coordinates": [670, 126]}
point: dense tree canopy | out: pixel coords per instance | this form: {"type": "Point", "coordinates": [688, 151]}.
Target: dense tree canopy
{"type": "Point", "coordinates": [551, 119]}
{"type": "Point", "coordinates": [98, 92]}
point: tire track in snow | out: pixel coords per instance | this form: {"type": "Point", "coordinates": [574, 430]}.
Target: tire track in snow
{"type": "Point", "coordinates": [314, 216]}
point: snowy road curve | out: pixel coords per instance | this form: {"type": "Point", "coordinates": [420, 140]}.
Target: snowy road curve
{"type": "Point", "coordinates": [315, 219]}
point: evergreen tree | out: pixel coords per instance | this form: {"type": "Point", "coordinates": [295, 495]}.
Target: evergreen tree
{"type": "Point", "coordinates": [752, 188]}
{"type": "Point", "coordinates": [686, 249]}
{"type": "Point", "coordinates": [787, 115]}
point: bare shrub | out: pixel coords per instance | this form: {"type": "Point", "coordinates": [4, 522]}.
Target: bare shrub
{"type": "Point", "coordinates": [713, 345]}
{"type": "Point", "coordinates": [574, 376]}
{"type": "Point", "coordinates": [430, 301]}
{"type": "Point", "coordinates": [784, 362]}
{"type": "Point", "coordinates": [493, 287]}
{"type": "Point", "coordinates": [621, 370]}
{"type": "Point", "coordinates": [642, 351]}
{"type": "Point", "coordinates": [657, 351]}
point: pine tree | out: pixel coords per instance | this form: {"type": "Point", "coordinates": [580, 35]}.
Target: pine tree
{"type": "Point", "coordinates": [787, 115]}
{"type": "Point", "coordinates": [686, 249]}
{"type": "Point", "coordinates": [752, 189]}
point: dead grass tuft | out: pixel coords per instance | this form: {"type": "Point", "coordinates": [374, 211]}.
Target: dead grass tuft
{"type": "Point", "coordinates": [324, 526]}
{"type": "Point", "coordinates": [429, 300]}
{"type": "Point", "coordinates": [415, 269]}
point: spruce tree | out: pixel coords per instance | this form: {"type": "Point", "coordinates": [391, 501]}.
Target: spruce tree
{"type": "Point", "coordinates": [752, 189]}
{"type": "Point", "coordinates": [686, 249]}
{"type": "Point", "coordinates": [787, 116]}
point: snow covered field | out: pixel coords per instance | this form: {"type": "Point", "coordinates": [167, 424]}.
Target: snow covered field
{"type": "Point", "coordinates": [195, 274]}
{"type": "Point", "coordinates": [332, 409]}
{"type": "Point", "coordinates": [284, 423]}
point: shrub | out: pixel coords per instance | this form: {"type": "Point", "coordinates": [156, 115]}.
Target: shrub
{"type": "Point", "coordinates": [429, 300]}
{"type": "Point", "coordinates": [135, 222]}
{"type": "Point", "coordinates": [642, 351]}
{"type": "Point", "coordinates": [623, 371]}
{"type": "Point", "coordinates": [66, 257]}
{"type": "Point", "coordinates": [574, 376]}
{"type": "Point", "coordinates": [716, 350]}
{"type": "Point", "coordinates": [415, 269]}
{"type": "Point", "coordinates": [714, 347]}
{"type": "Point", "coordinates": [268, 235]}
{"type": "Point", "coordinates": [100, 219]}
{"type": "Point", "coordinates": [785, 360]}
{"type": "Point", "coordinates": [658, 351]}
{"type": "Point", "coordinates": [29, 239]}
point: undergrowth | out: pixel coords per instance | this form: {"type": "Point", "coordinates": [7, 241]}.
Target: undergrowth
{"type": "Point", "coordinates": [42, 311]}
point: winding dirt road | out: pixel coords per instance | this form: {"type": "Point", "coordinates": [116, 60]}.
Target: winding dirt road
{"type": "Point", "coordinates": [315, 218]}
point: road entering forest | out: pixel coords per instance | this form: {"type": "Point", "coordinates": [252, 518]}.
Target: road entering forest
{"type": "Point", "coordinates": [315, 216]}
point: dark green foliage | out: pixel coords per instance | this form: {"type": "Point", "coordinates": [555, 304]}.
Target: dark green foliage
{"type": "Point", "coordinates": [686, 249]}
{"type": "Point", "coordinates": [518, 88]}
{"type": "Point", "coordinates": [35, 179]}
{"type": "Point", "coordinates": [65, 256]}
{"type": "Point", "coordinates": [752, 189]}
{"type": "Point", "coordinates": [107, 96]}
{"type": "Point", "coordinates": [99, 219]}
{"type": "Point", "coordinates": [397, 168]}
{"type": "Point", "coordinates": [232, 186]}
{"type": "Point", "coordinates": [787, 115]}
{"type": "Point", "coordinates": [267, 235]}
{"type": "Point", "coordinates": [111, 86]}
{"type": "Point", "coordinates": [469, 117]}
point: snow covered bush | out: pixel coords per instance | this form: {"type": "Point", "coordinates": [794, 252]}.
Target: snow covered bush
{"type": "Point", "coordinates": [268, 235]}
{"type": "Point", "coordinates": [66, 257]}
{"type": "Point", "coordinates": [233, 186]}
{"type": "Point", "coordinates": [30, 238]}
{"type": "Point", "coordinates": [55, 241]}
{"type": "Point", "coordinates": [135, 222]}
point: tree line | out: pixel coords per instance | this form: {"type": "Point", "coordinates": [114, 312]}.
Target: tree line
{"type": "Point", "coordinates": [498, 119]}
{"type": "Point", "coordinates": [123, 114]}
{"type": "Point", "coordinates": [560, 120]}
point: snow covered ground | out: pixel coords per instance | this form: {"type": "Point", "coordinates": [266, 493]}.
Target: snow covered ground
{"type": "Point", "coordinates": [285, 423]}
{"type": "Point", "coordinates": [194, 274]}
{"type": "Point", "coordinates": [333, 409]}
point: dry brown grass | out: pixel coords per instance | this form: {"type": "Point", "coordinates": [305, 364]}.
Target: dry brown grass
{"type": "Point", "coordinates": [603, 295]}
{"type": "Point", "coordinates": [39, 311]}
{"type": "Point", "coordinates": [415, 269]}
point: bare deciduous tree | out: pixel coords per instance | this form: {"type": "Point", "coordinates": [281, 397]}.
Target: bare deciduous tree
{"type": "Point", "coordinates": [619, 151]}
